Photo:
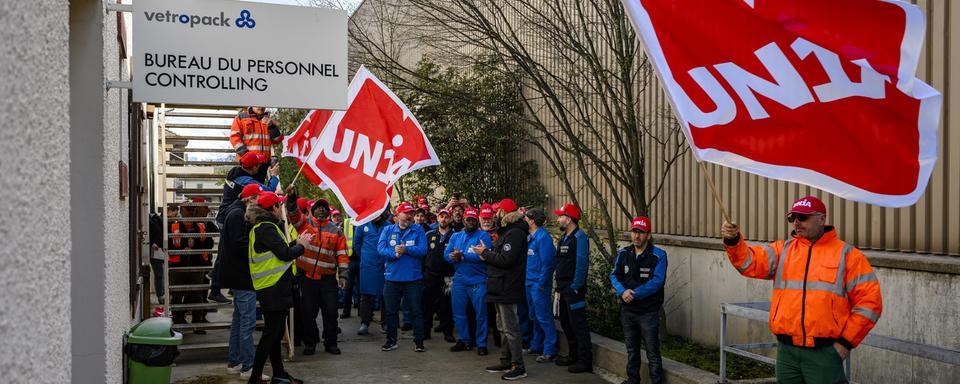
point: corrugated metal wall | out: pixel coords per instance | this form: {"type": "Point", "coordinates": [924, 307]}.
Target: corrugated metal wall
{"type": "Point", "coordinates": [686, 206]}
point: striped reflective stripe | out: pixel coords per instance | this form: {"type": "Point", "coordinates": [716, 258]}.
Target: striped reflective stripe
{"type": "Point", "coordinates": [321, 264]}
{"type": "Point", "coordinates": [837, 288]}
{"type": "Point", "coordinates": [771, 260]}
{"type": "Point", "coordinates": [852, 284]}
{"type": "Point", "coordinates": [237, 145]}
{"type": "Point", "coordinates": [811, 286]}
{"type": "Point", "coordinates": [271, 271]}
{"type": "Point", "coordinates": [236, 133]}
{"type": "Point", "coordinates": [257, 147]}
{"type": "Point", "coordinates": [746, 264]}
{"type": "Point", "coordinates": [312, 248]}
{"type": "Point", "coordinates": [783, 256]}
{"type": "Point", "coordinates": [866, 312]}
{"type": "Point", "coordinates": [344, 266]}
{"type": "Point", "coordinates": [261, 258]}
{"type": "Point", "coordinates": [339, 253]}
{"type": "Point", "coordinates": [256, 136]}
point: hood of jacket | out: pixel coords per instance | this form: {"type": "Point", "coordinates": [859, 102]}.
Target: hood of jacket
{"type": "Point", "coordinates": [255, 214]}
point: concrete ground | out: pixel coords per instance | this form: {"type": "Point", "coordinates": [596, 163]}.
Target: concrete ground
{"type": "Point", "coordinates": [363, 362]}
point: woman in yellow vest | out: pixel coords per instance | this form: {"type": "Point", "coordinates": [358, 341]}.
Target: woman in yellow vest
{"type": "Point", "coordinates": [271, 259]}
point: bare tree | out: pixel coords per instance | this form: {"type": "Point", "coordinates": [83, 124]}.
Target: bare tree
{"type": "Point", "coordinates": [582, 76]}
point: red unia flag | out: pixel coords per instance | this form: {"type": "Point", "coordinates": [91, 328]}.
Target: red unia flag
{"type": "Point", "coordinates": [361, 152]}
{"type": "Point", "coordinates": [299, 143]}
{"type": "Point", "coordinates": [819, 92]}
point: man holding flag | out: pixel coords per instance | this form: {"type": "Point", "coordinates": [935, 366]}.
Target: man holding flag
{"type": "Point", "coordinates": [826, 297]}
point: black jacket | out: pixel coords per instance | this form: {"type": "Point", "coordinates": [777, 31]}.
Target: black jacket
{"type": "Point", "coordinates": [507, 262]}
{"type": "Point", "coordinates": [279, 296]}
{"type": "Point", "coordinates": [234, 235]}
{"type": "Point", "coordinates": [434, 265]}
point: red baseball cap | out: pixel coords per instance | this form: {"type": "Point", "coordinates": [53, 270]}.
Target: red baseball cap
{"type": "Point", "coordinates": [641, 223]}
{"type": "Point", "coordinates": [808, 205]}
{"type": "Point", "coordinates": [568, 210]}
{"type": "Point", "coordinates": [422, 200]}
{"type": "Point", "coordinates": [443, 211]}
{"type": "Point", "coordinates": [269, 199]}
{"type": "Point", "coordinates": [508, 205]}
{"type": "Point", "coordinates": [425, 207]}
{"type": "Point", "coordinates": [486, 211]}
{"type": "Point", "coordinates": [471, 212]}
{"type": "Point", "coordinates": [334, 212]}
{"type": "Point", "coordinates": [199, 200]}
{"type": "Point", "coordinates": [405, 207]}
{"type": "Point", "coordinates": [303, 203]}
{"type": "Point", "coordinates": [250, 190]}
{"type": "Point", "coordinates": [250, 159]}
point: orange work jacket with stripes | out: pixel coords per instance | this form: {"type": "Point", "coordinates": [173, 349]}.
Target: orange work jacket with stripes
{"type": "Point", "coordinates": [249, 131]}
{"type": "Point", "coordinates": [326, 253]}
{"type": "Point", "coordinates": [823, 291]}
{"type": "Point", "coordinates": [175, 228]}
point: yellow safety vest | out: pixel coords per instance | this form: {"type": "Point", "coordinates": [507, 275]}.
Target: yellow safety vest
{"type": "Point", "coordinates": [348, 233]}
{"type": "Point", "coordinates": [265, 268]}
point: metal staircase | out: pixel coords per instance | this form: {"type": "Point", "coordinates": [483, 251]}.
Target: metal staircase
{"type": "Point", "coordinates": [188, 167]}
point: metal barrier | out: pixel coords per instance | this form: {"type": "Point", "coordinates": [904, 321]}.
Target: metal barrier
{"type": "Point", "coordinates": [760, 311]}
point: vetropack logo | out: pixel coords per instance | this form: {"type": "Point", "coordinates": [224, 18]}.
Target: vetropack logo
{"type": "Point", "coordinates": [245, 19]}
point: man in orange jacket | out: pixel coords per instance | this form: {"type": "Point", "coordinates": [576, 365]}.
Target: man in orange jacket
{"type": "Point", "coordinates": [324, 266]}
{"type": "Point", "coordinates": [826, 297]}
{"type": "Point", "coordinates": [254, 131]}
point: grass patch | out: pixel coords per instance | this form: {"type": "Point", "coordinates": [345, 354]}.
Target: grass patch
{"type": "Point", "coordinates": [708, 359]}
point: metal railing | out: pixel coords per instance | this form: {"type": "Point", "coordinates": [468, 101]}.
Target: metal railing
{"type": "Point", "coordinates": [760, 311]}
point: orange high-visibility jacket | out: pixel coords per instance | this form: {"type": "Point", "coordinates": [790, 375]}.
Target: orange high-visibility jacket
{"type": "Point", "coordinates": [823, 292]}
{"type": "Point", "coordinates": [249, 131]}
{"type": "Point", "coordinates": [326, 252]}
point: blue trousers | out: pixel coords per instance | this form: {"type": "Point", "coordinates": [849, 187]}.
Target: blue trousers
{"type": "Point", "coordinates": [541, 320]}
{"type": "Point", "coordinates": [241, 328]}
{"type": "Point", "coordinates": [476, 295]}
{"type": "Point", "coordinates": [408, 291]}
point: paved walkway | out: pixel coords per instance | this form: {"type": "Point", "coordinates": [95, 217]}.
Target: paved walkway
{"type": "Point", "coordinates": [363, 362]}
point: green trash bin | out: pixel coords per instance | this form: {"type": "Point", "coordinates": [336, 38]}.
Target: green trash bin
{"type": "Point", "coordinates": [151, 348]}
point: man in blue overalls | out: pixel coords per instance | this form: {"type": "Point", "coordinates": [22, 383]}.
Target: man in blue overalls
{"type": "Point", "coordinates": [469, 282]}
{"type": "Point", "coordinates": [403, 245]}
{"type": "Point", "coordinates": [541, 262]}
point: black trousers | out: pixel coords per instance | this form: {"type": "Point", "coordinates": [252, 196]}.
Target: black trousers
{"type": "Point", "coordinates": [573, 320]}
{"type": "Point", "coordinates": [319, 296]}
{"type": "Point", "coordinates": [269, 345]}
{"type": "Point", "coordinates": [436, 303]}
{"type": "Point", "coordinates": [353, 283]}
{"type": "Point", "coordinates": [365, 311]}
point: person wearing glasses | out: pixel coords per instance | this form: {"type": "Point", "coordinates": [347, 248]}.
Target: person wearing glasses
{"type": "Point", "coordinates": [826, 297]}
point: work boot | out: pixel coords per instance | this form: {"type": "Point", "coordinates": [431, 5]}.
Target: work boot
{"type": "Point", "coordinates": [565, 361]}
{"type": "Point", "coordinates": [309, 349]}
{"type": "Point", "coordinates": [580, 367]}
{"type": "Point", "coordinates": [345, 315]}
{"type": "Point", "coordinates": [390, 345]}
{"type": "Point", "coordinates": [364, 330]}
{"type": "Point", "coordinates": [546, 358]}
{"type": "Point", "coordinates": [218, 297]}
{"type": "Point", "coordinates": [419, 347]}
{"type": "Point", "coordinates": [460, 347]}
{"type": "Point", "coordinates": [502, 367]}
{"type": "Point", "coordinates": [285, 378]}
{"type": "Point", "coordinates": [516, 372]}
{"type": "Point", "coordinates": [332, 349]}
{"type": "Point", "coordinates": [482, 351]}
{"type": "Point", "coordinates": [449, 338]}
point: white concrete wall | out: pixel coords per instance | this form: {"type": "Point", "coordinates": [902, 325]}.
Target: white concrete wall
{"type": "Point", "coordinates": [918, 306]}
{"type": "Point", "coordinates": [116, 141]}
{"type": "Point", "coordinates": [35, 203]}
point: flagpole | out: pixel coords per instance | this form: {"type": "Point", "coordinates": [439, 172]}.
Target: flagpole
{"type": "Point", "coordinates": [302, 163]}
{"type": "Point", "coordinates": [713, 188]}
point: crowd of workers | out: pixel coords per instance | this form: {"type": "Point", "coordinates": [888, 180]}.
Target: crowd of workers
{"type": "Point", "coordinates": [491, 268]}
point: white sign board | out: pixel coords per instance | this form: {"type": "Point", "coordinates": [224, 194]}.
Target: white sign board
{"type": "Point", "coordinates": [220, 52]}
